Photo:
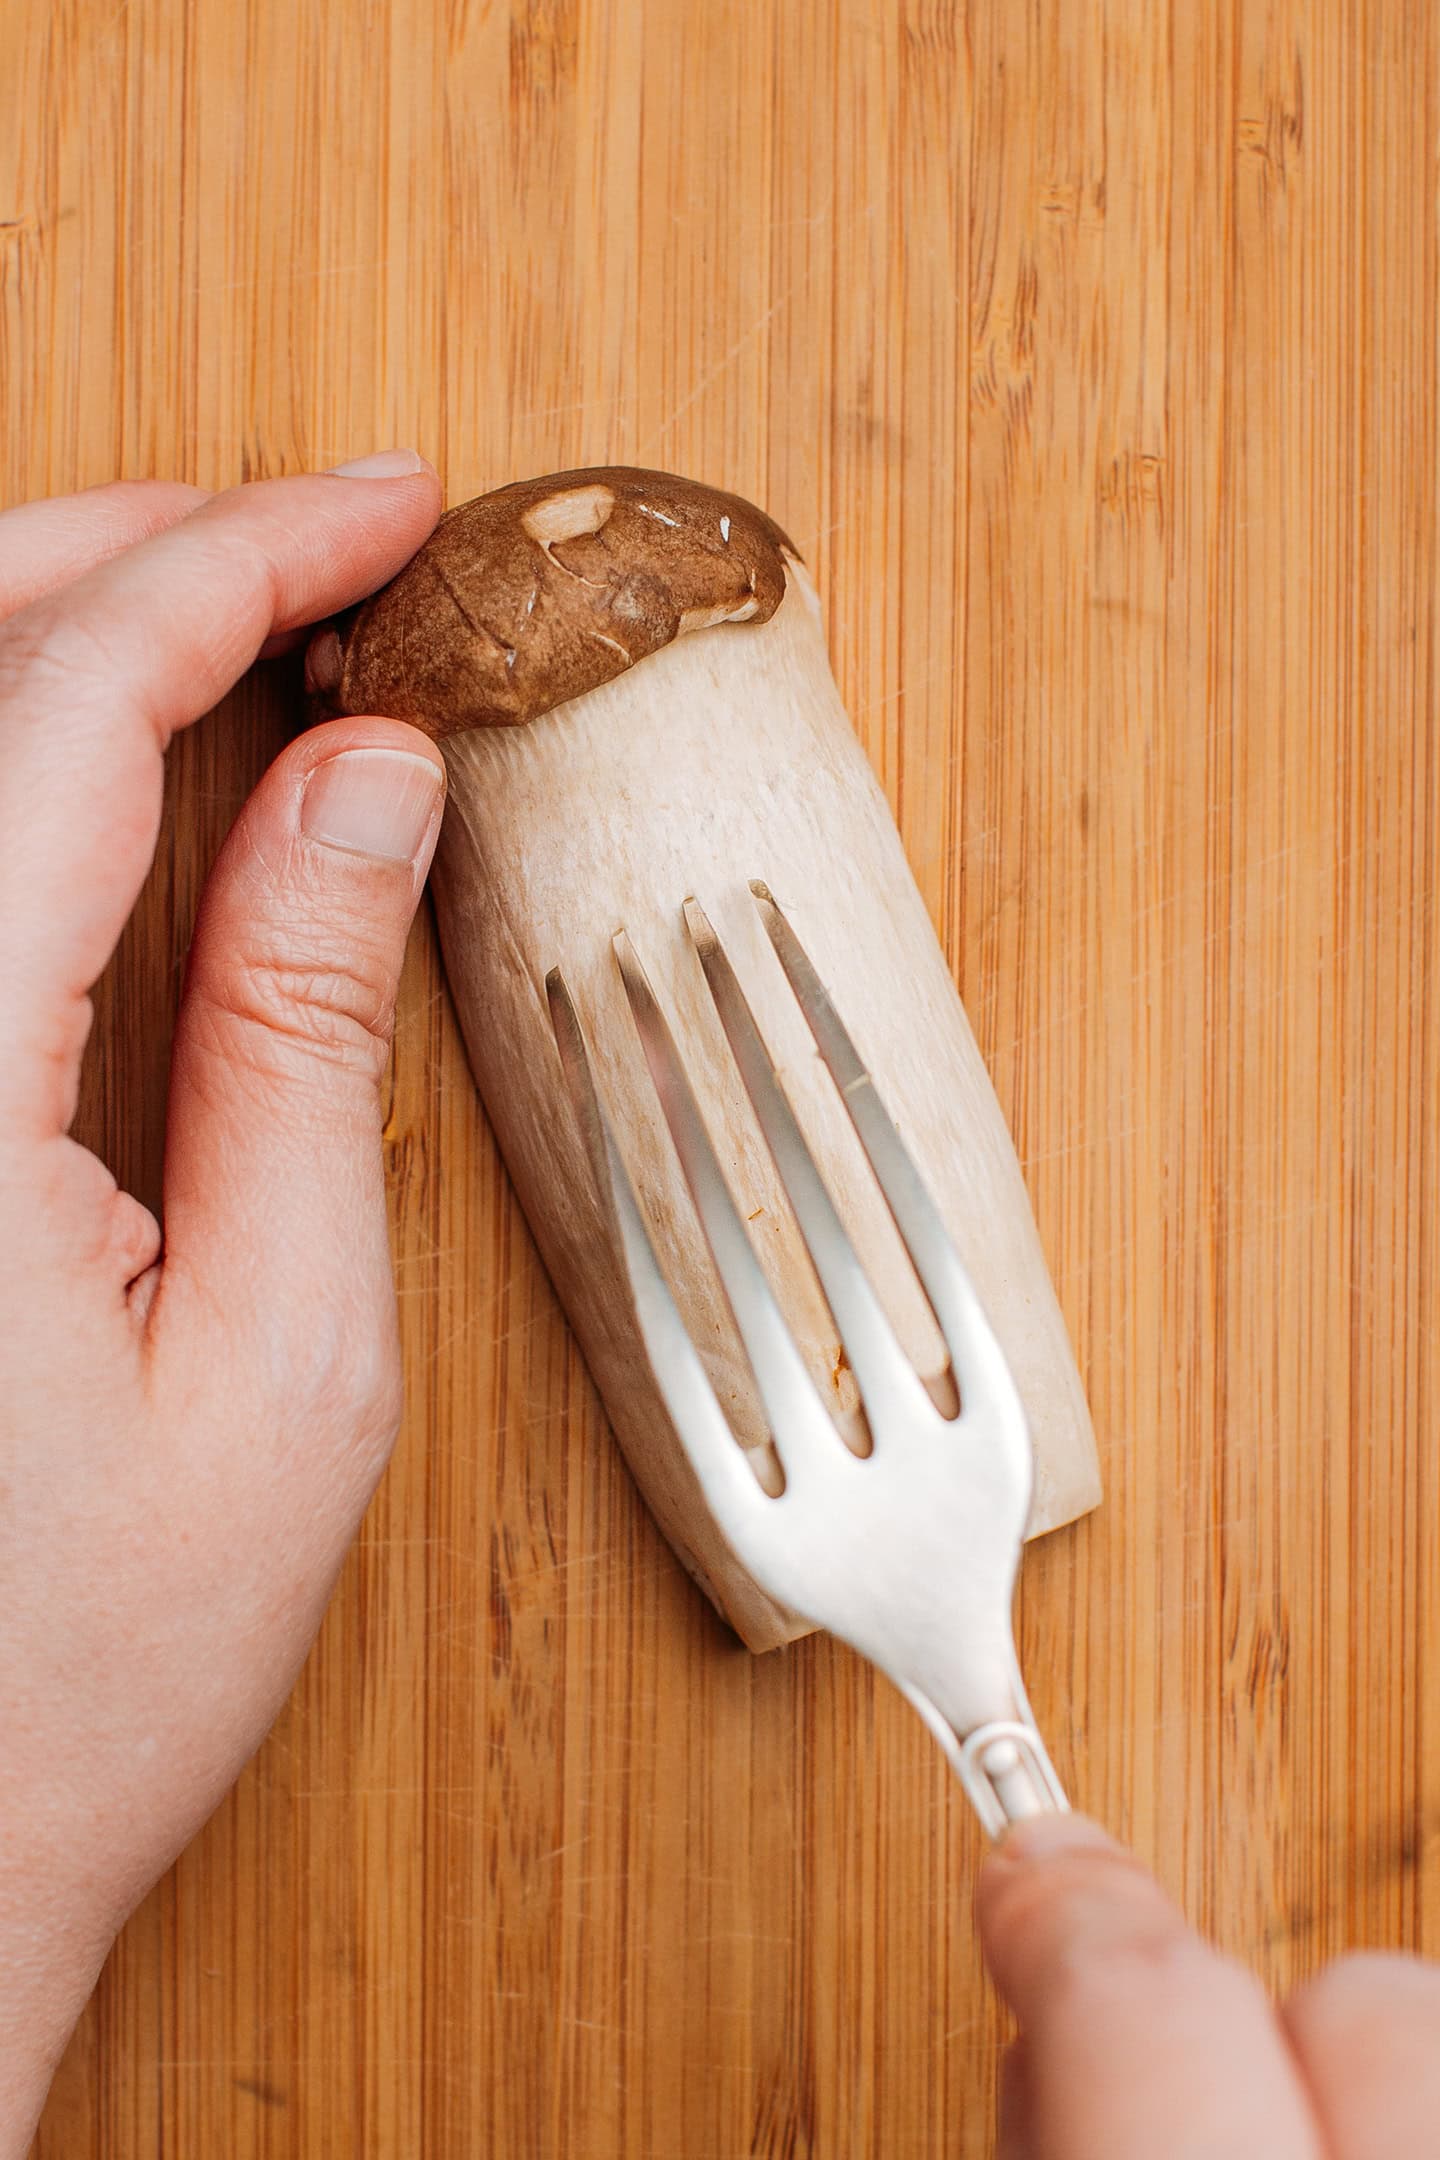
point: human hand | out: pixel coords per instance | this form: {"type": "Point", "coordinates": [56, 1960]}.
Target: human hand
{"type": "Point", "coordinates": [1138, 2041]}
{"type": "Point", "coordinates": [190, 1433]}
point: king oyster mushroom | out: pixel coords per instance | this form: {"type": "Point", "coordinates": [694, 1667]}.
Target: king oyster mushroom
{"type": "Point", "coordinates": [628, 676]}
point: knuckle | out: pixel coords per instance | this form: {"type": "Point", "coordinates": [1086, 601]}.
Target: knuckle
{"type": "Point", "coordinates": [359, 1391]}
{"type": "Point", "coordinates": [343, 1378]}
{"type": "Point", "coordinates": [1154, 1959]}
{"type": "Point", "coordinates": [339, 1011]}
{"type": "Point", "coordinates": [46, 651]}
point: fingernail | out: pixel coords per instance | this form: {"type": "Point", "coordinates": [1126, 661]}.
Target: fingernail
{"type": "Point", "coordinates": [381, 465]}
{"type": "Point", "coordinates": [1054, 1837]}
{"type": "Point", "coordinates": [372, 802]}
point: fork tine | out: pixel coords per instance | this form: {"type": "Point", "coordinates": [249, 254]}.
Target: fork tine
{"type": "Point", "coordinates": [799, 1423]}
{"type": "Point", "coordinates": [883, 1372]}
{"type": "Point", "coordinates": [982, 1372]}
{"type": "Point", "coordinates": [731, 1489]}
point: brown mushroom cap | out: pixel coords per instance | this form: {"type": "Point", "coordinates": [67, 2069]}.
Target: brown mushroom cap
{"type": "Point", "coordinates": [545, 589]}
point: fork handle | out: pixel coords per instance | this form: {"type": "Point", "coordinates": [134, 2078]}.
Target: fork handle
{"type": "Point", "coordinates": [1008, 1776]}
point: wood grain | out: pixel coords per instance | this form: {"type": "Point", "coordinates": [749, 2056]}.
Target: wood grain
{"type": "Point", "coordinates": [1089, 351]}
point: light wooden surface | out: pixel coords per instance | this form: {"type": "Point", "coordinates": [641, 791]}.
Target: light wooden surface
{"type": "Point", "coordinates": [1089, 351]}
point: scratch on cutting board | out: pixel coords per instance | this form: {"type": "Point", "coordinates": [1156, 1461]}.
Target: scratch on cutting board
{"type": "Point", "coordinates": [725, 363]}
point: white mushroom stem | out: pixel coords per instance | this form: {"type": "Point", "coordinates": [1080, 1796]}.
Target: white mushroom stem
{"type": "Point", "coordinates": [724, 757]}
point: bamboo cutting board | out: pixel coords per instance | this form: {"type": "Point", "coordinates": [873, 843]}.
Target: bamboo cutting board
{"type": "Point", "coordinates": [1089, 352]}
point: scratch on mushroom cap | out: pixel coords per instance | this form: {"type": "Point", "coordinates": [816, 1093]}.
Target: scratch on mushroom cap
{"type": "Point", "coordinates": [543, 590]}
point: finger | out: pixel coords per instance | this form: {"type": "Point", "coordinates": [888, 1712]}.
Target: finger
{"type": "Point", "coordinates": [1139, 2039]}
{"type": "Point", "coordinates": [274, 1191]}
{"type": "Point", "coordinates": [94, 681]}
{"type": "Point", "coordinates": [46, 545]}
{"type": "Point", "coordinates": [1367, 2035]}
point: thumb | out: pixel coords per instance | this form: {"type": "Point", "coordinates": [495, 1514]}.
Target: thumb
{"type": "Point", "coordinates": [274, 1186]}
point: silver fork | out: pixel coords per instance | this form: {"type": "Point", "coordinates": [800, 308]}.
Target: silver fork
{"type": "Point", "coordinates": [909, 1553]}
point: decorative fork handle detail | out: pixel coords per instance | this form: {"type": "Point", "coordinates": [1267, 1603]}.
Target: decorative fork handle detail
{"type": "Point", "coordinates": [1008, 1776]}
{"type": "Point", "coordinates": [1003, 1766]}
